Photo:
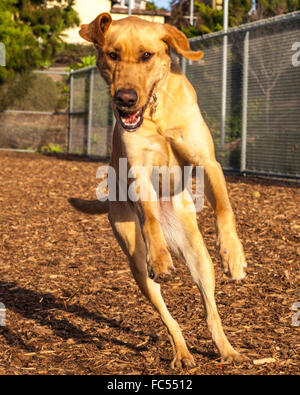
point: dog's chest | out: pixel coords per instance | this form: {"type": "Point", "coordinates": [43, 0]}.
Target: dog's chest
{"type": "Point", "coordinates": [171, 226]}
{"type": "Point", "coordinates": [147, 150]}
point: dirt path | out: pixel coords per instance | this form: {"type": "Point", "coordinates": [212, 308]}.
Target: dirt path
{"type": "Point", "coordinates": [72, 306]}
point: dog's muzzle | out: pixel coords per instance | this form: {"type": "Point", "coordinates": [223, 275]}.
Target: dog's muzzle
{"type": "Point", "coordinates": [125, 99]}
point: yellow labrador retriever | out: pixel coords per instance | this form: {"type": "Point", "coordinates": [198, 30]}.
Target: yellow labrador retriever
{"type": "Point", "coordinates": [158, 123]}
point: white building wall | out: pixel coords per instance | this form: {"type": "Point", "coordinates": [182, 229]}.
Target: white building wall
{"type": "Point", "coordinates": [89, 9]}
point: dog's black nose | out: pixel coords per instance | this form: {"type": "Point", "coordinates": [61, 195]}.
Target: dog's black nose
{"type": "Point", "coordinates": [126, 97]}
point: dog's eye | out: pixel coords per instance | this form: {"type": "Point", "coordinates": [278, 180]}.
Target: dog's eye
{"type": "Point", "coordinates": [146, 56]}
{"type": "Point", "coordinates": [113, 55]}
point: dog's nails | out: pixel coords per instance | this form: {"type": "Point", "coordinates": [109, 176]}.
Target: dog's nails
{"type": "Point", "coordinates": [151, 273]}
{"type": "Point", "coordinates": [163, 278]}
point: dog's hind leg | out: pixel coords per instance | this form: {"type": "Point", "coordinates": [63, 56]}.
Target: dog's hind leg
{"type": "Point", "coordinates": [127, 230]}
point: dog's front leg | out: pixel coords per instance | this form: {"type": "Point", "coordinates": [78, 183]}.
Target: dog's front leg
{"type": "Point", "coordinates": [231, 249]}
{"type": "Point", "coordinates": [159, 261]}
{"type": "Point", "coordinates": [197, 147]}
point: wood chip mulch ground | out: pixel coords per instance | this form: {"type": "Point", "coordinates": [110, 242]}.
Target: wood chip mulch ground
{"type": "Point", "coordinates": [72, 306]}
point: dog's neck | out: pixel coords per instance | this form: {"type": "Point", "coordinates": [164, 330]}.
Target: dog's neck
{"type": "Point", "coordinates": [159, 97]}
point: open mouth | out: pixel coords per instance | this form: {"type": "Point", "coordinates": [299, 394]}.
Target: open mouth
{"type": "Point", "coordinates": [131, 121]}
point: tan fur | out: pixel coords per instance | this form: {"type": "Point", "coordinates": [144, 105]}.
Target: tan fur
{"type": "Point", "coordinates": [173, 133]}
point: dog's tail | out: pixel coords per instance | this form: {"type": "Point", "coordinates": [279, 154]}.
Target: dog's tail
{"type": "Point", "coordinates": [90, 206]}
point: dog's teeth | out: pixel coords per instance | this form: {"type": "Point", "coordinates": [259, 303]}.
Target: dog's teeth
{"type": "Point", "coordinates": [125, 122]}
{"type": "Point", "coordinates": [131, 121]}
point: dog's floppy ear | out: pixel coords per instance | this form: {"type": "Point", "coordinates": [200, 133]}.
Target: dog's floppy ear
{"type": "Point", "coordinates": [94, 31]}
{"type": "Point", "coordinates": [178, 41]}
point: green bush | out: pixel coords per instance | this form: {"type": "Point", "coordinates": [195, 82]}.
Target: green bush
{"type": "Point", "coordinates": [33, 92]}
{"type": "Point", "coordinates": [72, 53]}
{"type": "Point", "coordinates": [84, 62]}
{"type": "Point", "coordinates": [32, 31]}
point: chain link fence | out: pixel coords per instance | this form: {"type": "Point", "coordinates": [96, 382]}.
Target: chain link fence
{"type": "Point", "coordinates": [91, 116]}
{"type": "Point", "coordinates": [34, 112]}
{"type": "Point", "coordinates": [71, 111]}
{"type": "Point", "coordinates": [262, 129]}
{"type": "Point", "coordinates": [57, 111]}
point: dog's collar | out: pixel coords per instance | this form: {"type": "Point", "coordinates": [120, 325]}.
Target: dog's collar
{"type": "Point", "coordinates": [153, 104]}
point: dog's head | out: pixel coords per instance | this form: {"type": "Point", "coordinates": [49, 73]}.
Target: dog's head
{"type": "Point", "coordinates": [134, 59]}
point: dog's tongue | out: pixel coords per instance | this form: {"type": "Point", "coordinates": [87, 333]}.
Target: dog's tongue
{"type": "Point", "coordinates": [131, 119]}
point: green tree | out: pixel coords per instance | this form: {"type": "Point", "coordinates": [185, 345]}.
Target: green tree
{"type": "Point", "coordinates": [32, 31]}
{"type": "Point", "coordinates": [150, 5]}
{"type": "Point", "coordinates": [208, 20]}
{"type": "Point", "coordinates": [269, 8]}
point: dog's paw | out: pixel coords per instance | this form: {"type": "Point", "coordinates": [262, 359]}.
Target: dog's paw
{"type": "Point", "coordinates": [183, 361]}
{"type": "Point", "coordinates": [234, 356]}
{"type": "Point", "coordinates": [159, 264]}
{"type": "Point", "coordinates": [233, 258]}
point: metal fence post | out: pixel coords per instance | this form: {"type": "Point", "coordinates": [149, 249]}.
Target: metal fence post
{"type": "Point", "coordinates": [224, 74]}
{"type": "Point", "coordinates": [113, 120]}
{"type": "Point", "coordinates": [183, 65]}
{"type": "Point", "coordinates": [90, 111]}
{"type": "Point", "coordinates": [192, 12]}
{"type": "Point", "coordinates": [245, 102]}
{"type": "Point", "coordinates": [71, 90]}
{"type": "Point", "coordinates": [129, 7]}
